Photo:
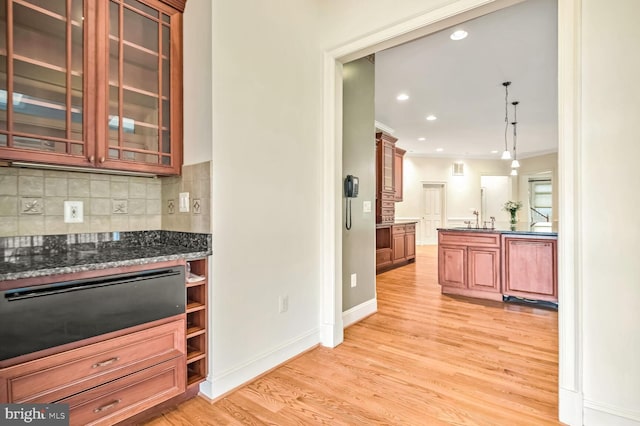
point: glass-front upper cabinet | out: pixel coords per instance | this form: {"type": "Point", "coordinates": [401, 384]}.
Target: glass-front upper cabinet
{"type": "Point", "coordinates": [92, 83]}
{"type": "Point", "coordinates": [42, 72]}
{"type": "Point", "coordinates": [141, 97]}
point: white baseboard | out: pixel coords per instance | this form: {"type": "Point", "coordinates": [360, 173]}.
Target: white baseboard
{"type": "Point", "coordinates": [570, 407]}
{"type": "Point", "coordinates": [233, 378]}
{"type": "Point", "coordinates": [597, 413]}
{"type": "Point", "coordinates": [359, 312]}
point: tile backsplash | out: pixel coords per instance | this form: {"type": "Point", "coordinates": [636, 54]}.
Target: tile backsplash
{"type": "Point", "coordinates": [196, 180]}
{"type": "Point", "coordinates": [32, 201]}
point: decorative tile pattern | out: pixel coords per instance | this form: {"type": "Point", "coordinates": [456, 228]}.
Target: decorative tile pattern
{"type": "Point", "coordinates": [31, 206]}
{"type": "Point", "coordinates": [171, 206]}
{"type": "Point", "coordinates": [120, 206]}
{"type": "Point", "coordinates": [197, 204]}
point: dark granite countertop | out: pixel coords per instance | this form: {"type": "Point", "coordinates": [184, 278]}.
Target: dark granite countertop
{"type": "Point", "coordinates": [36, 256]}
{"type": "Point", "coordinates": [520, 229]}
{"type": "Point", "coordinates": [397, 222]}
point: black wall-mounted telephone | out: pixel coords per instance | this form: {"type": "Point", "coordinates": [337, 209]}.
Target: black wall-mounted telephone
{"type": "Point", "coordinates": [350, 191]}
{"type": "Point", "coordinates": [351, 186]}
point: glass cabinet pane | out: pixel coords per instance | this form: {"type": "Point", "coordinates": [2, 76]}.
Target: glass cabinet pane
{"type": "Point", "coordinates": [139, 75]}
{"type": "Point", "coordinates": [46, 86]}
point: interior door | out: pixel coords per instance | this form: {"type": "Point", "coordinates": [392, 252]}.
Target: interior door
{"type": "Point", "coordinates": [431, 219]}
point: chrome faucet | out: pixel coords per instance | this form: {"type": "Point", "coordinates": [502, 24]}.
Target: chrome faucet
{"type": "Point", "coordinates": [477, 214]}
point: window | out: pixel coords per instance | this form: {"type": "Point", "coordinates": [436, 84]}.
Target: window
{"type": "Point", "coordinates": [540, 200]}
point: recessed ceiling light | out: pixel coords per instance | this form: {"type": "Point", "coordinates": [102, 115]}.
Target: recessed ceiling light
{"type": "Point", "coordinates": [458, 35]}
{"type": "Point", "coordinates": [495, 151]}
{"type": "Point", "coordinates": [402, 97]}
{"type": "Point", "coordinates": [431, 117]}
{"type": "Point", "coordinates": [439, 149]}
{"type": "Point", "coordinates": [422, 139]}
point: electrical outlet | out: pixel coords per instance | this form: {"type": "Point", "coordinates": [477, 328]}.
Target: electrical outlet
{"type": "Point", "coordinates": [183, 205]}
{"type": "Point", "coordinates": [73, 212]}
{"type": "Point", "coordinates": [283, 304]}
{"type": "Point", "coordinates": [354, 280]}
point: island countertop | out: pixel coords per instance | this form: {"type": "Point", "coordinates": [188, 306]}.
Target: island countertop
{"type": "Point", "coordinates": [520, 229]}
{"type": "Point", "coordinates": [44, 255]}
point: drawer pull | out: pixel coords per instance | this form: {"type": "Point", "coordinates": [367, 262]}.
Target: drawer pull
{"type": "Point", "coordinates": [106, 407]}
{"type": "Point", "coordinates": [105, 363]}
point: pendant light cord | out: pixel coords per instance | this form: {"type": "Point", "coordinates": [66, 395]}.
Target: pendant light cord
{"type": "Point", "coordinates": [515, 123]}
{"type": "Point", "coordinates": [506, 112]}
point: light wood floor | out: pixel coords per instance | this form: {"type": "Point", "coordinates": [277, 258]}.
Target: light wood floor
{"type": "Point", "coordinates": [423, 359]}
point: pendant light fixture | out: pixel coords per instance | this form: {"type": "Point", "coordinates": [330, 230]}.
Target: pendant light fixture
{"type": "Point", "coordinates": [506, 155]}
{"type": "Point", "coordinates": [515, 163]}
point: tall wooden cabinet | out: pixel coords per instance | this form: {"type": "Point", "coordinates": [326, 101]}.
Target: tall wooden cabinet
{"type": "Point", "coordinates": [385, 189]}
{"type": "Point", "coordinates": [92, 83]}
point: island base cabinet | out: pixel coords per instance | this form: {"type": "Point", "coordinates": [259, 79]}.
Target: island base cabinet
{"type": "Point", "coordinates": [530, 268]}
{"type": "Point", "coordinates": [469, 264]}
{"type": "Point", "coordinates": [483, 270]}
{"type": "Point", "coordinates": [451, 266]}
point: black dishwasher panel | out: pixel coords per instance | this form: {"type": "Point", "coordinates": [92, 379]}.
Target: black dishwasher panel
{"type": "Point", "coordinates": [41, 317]}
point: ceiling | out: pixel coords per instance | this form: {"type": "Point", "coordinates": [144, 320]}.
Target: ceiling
{"type": "Point", "coordinates": [460, 82]}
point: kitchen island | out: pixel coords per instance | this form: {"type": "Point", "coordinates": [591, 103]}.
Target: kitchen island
{"type": "Point", "coordinates": [499, 264]}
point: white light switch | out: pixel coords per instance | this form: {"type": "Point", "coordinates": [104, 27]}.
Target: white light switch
{"type": "Point", "coordinates": [366, 207]}
{"type": "Point", "coordinates": [184, 202]}
{"type": "Point", "coordinates": [73, 212]}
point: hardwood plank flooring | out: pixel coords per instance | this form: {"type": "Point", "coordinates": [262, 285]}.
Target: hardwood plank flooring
{"type": "Point", "coordinates": [422, 359]}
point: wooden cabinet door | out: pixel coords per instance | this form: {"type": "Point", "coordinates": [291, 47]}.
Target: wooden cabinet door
{"type": "Point", "coordinates": [452, 262]}
{"type": "Point", "coordinates": [388, 159]}
{"type": "Point", "coordinates": [42, 72]}
{"type": "Point", "coordinates": [410, 242]}
{"type": "Point", "coordinates": [483, 269]}
{"type": "Point", "coordinates": [530, 268]}
{"type": "Point", "coordinates": [398, 248]}
{"type": "Point", "coordinates": [397, 173]}
{"type": "Point", "coordinates": [142, 124]}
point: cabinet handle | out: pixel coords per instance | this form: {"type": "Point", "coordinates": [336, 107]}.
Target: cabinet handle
{"type": "Point", "coordinates": [106, 362]}
{"type": "Point", "coordinates": [106, 407]}
{"type": "Point", "coordinates": [92, 158]}
{"type": "Point", "coordinates": [102, 159]}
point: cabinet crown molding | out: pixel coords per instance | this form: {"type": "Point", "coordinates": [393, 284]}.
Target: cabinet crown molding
{"type": "Point", "coordinates": [176, 4]}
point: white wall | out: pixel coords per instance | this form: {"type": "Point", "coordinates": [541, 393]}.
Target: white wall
{"type": "Point", "coordinates": [610, 201]}
{"type": "Point", "coordinates": [266, 82]}
{"type": "Point", "coordinates": [463, 192]}
{"type": "Point", "coordinates": [197, 111]}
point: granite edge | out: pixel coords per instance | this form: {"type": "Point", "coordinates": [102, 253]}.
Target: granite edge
{"type": "Point", "coordinates": [102, 265]}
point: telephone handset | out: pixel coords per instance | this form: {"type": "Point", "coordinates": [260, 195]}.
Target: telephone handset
{"type": "Point", "coordinates": [351, 186]}
{"type": "Point", "coordinates": [350, 191]}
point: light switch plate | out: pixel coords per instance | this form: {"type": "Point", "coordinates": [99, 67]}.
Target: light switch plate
{"type": "Point", "coordinates": [184, 202]}
{"type": "Point", "coordinates": [73, 212]}
{"type": "Point", "coordinates": [366, 207]}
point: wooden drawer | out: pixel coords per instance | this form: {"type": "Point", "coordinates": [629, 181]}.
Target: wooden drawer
{"type": "Point", "coordinates": [472, 239]}
{"type": "Point", "coordinates": [388, 205]}
{"type": "Point", "coordinates": [410, 228]}
{"type": "Point", "coordinates": [383, 256]}
{"type": "Point", "coordinates": [387, 196]}
{"type": "Point", "coordinates": [57, 376]}
{"type": "Point", "coordinates": [398, 229]}
{"type": "Point", "coordinates": [125, 397]}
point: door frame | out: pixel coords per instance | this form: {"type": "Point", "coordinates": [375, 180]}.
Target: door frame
{"type": "Point", "coordinates": [569, 170]}
{"type": "Point", "coordinates": [443, 202]}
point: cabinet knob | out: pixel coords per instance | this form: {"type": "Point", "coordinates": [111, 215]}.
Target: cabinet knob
{"type": "Point", "coordinates": [92, 158]}
{"type": "Point", "coordinates": [101, 159]}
